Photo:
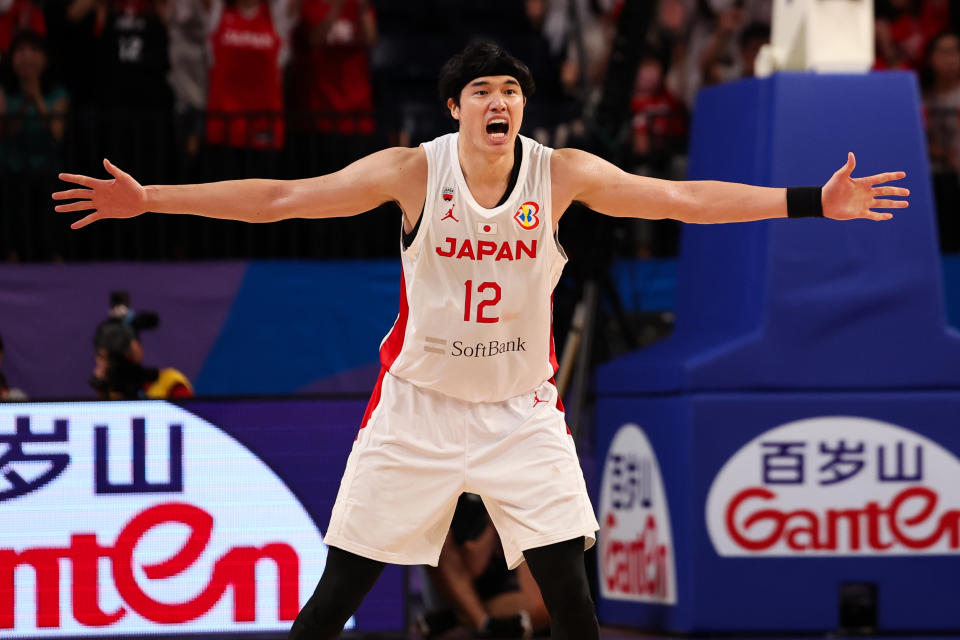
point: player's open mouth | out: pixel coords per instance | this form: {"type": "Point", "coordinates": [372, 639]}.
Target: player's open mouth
{"type": "Point", "coordinates": [497, 128]}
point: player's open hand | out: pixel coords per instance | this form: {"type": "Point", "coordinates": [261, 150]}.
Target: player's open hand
{"type": "Point", "coordinates": [122, 197]}
{"type": "Point", "coordinates": [847, 198]}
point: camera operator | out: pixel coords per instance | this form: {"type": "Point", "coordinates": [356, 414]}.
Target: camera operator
{"type": "Point", "coordinates": [119, 372]}
{"type": "Point", "coordinates": [6, 393]}
{"type": "Point", "coordinates": [121, 312]}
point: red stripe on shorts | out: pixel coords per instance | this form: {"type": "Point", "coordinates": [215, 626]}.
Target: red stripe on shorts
{"type": "Point", "coordinates": [553, 349]}
{"type": "Point", "coordinates": [553, 362]}
{"type": "Point", "coordinates": [389, 350]}
{"type": "Point", "coordinates": [553, 381]}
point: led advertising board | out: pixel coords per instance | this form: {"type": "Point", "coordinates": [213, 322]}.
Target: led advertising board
{"type": "Point", "coordinates": [133, 518]}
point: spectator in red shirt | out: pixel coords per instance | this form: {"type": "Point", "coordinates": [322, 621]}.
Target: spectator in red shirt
{"type": "Point", "coordinates": [657, 146]}
{"type": "Point", "coordinates": [19, 15]}
{"type": "Point", "coordinates": [659, 117]}
{"type": "Point", "coordinates": [940, 81]}
{"type": "Point", "coordinates": [903, 29]}
{"type": "Point", "coordinates": [331, 72]}
{"type": "Point", "coordinates": [248, 42]}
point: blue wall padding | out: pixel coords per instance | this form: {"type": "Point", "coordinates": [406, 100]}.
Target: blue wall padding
{"type": "Point", "coordinates": [646, 285]}
{"type": "Point", "coordinates": [650, 285]}
{"type": "Point", "coordinates": [295, 322]}
{"type": "Point", "coordinates": [951, 285]}
{"type": "Point", "coordinates": [694, 436]}
{"type": "Point", "coordinates": [805, 304]}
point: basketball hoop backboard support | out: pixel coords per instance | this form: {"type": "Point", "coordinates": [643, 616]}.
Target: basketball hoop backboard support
{"type": "Point", "coordinates": [828, 36]}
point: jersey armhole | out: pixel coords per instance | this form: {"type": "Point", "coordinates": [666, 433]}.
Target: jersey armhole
{"type": "Point", "coordinates": [408, 239]}
{"type": "Point", "coordinates": [547, 174]}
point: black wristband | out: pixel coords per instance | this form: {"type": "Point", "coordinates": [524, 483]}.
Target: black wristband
{"type": "Point", "coordinates": [804, 202]}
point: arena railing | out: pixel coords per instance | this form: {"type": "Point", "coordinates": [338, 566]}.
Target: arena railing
{"type": "Point", "coordinates": [163, 148]}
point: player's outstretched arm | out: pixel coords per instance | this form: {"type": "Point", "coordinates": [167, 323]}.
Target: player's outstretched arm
{"type": "Point", "coordinates": [583, 177]}
{"type": "Point", "coordinates": [391, 174]}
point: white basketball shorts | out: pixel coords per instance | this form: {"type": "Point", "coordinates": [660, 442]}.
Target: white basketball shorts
{"type": "Point", "coordinates": [421, 449]}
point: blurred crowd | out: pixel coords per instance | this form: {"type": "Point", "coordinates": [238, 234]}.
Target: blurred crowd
{"type": "Point", "coordinates": [196, 90]}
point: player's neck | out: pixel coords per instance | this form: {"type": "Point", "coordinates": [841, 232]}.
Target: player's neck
{"type": "Point", "coordinates": [487, 172]}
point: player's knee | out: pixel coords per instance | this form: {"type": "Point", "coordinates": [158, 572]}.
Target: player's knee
{"type": "Point", "coordinates": [571, 609]}
{"type": "Point", "coordinates": [562, 578]}
{"type": "Point", "coordinates": [568, 595]}
{"type": "Point", "coordinates": [572, 614]}
{"type": "Point", "coordinates": [302, 630]}
{"type": "Point", "coordinates": [320, 619]}
{"type": "Point", "coordinates": [346, 580]}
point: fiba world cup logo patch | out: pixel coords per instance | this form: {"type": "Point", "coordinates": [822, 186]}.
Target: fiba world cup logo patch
{"type": "Point", "coordinates": [526, 215]}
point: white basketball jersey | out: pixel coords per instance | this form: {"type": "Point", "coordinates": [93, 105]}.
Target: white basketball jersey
{"type": "Point", "coordinates": [475, 316]}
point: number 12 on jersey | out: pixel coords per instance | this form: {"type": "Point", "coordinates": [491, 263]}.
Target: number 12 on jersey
{"type": "Point", "coordinates": [483, 304]}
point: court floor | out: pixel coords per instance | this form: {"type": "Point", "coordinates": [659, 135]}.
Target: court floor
{"type": "Point", "coordinates": [625, 634]}
{"type": "Point", "coordinates": [622, 634]}
{"type": "Point", "coordinates": [608, 633]}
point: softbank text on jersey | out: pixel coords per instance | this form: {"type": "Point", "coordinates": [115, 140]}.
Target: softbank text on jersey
{"type": "Point", "coordinates": [492, 348]}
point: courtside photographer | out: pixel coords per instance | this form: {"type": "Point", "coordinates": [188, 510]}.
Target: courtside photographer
{"type": "Point", "coordinates": [119, 372]}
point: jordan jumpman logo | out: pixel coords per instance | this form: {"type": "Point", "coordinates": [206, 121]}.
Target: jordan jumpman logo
{"type": "Point", "coordinates": [537, 400]}
{"type": "Point", "coordinates": [450, 214]}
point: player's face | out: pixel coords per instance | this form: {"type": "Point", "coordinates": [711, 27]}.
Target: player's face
{"type": "Point", "coordinates": [490, 111]}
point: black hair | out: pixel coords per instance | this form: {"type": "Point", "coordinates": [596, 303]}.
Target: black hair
{"type": "Point", "coordinates": [25, 38]}
{"type": "Point", "coordinates": [659, 54]}
{"type": "Point", "coordinates": [926, 74]}
{"type": "Point", "coordinates": [755, 31]}
{"type": "Point", "coordinates": [119, 297]}
{"type": "Point", "coordinates": [885, 10]}
{"type": "Point", "coordinates": [481, 59]}
{"type": "Point", "coordinates": [115, 337]}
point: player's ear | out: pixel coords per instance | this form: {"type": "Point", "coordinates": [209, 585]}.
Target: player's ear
{"type": "Point", "coordinates": [454, 109]}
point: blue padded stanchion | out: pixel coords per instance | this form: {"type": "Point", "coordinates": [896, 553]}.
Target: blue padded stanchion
{"type": "Point", "coordinates": [765, 305]}
{"type": "Point", "coordinates": [831, 333]}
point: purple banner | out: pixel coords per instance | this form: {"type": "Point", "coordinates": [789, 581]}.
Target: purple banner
{"type": "Point", "coordinates": [48, 314]}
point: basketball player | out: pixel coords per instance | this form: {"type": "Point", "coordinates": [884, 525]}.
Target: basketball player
{"type": "Point", "coordinates": [465, 399]}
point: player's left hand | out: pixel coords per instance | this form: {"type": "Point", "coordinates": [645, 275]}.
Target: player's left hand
{"type": "Point", "coordinates": [847, 198]}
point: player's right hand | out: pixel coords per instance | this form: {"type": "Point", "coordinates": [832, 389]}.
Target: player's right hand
{"type": "Point", "coordinates": [122, 197]}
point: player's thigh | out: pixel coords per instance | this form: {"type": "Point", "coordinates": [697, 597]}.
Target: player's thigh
{"type": "Point", "coordinates": [531, 482]}
{"type": "Point", "coordinates": [402, 480]}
